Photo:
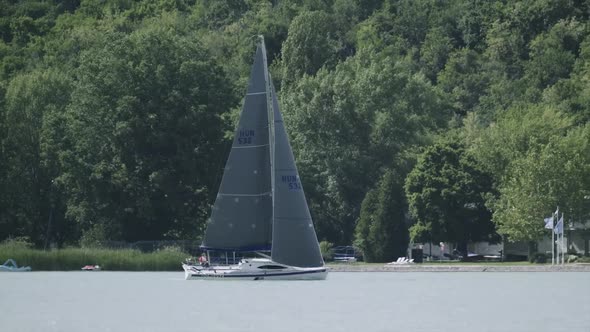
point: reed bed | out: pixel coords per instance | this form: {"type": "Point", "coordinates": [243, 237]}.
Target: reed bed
{"type": "Point", "coordinates": [70, 259]}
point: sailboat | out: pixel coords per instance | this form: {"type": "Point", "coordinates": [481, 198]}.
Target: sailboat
{"type": "Point", "coordinates": [260, 206]}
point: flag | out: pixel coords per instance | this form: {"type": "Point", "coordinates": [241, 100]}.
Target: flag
{"type": "Point", "coordinates": [549, 223]}
{"type": "Point", "coordinates": [556, 213]}
{"type": "Point", "coordinates": [559, 227]}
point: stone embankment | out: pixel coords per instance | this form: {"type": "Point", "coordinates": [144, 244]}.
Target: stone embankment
{"type": "Point", "coordinates": [458, 268]}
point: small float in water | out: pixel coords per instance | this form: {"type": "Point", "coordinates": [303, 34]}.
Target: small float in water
{"type": "Point", "coordinates": [11, 266]}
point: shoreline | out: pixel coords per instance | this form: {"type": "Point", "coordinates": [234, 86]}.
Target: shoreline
{"type": "Point", "coordinates": [573, 267]}
{"type": "Point", "coordinates": [402, 268]}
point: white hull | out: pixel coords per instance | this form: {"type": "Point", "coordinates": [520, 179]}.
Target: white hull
{"type": "Point", "coordinates": [255, 269]}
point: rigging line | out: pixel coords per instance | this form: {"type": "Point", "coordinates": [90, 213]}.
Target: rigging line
{"type": "Point", "coordinates": [249, 146]}
{"type": "Point", "coordinates": [293, 218]}
{"type": "Point", "coordinates": [245, 195]}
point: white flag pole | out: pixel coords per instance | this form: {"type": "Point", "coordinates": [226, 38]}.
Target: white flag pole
{"type": "Point", "coordinates": [563, 246]}
{"type": "Point", "coordinates": [555, 259]}
{"type": "Point", "coordinates": [552, 245]}
{"type": "Point", "coordinates": [559, 240]}
{"type": "Point", "coordinates": [557, 249]}
{"type": "Point", "coordinates": [558, 245]}
{"type": "Point", "coordinates": [556, 238]}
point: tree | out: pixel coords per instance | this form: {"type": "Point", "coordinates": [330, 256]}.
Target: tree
{"type": "Point", "coordinates": [503, 63]}
{"type": "Point", "coordinates": [506, 49]}
{"type": "Point", "coordinates": [556, 175]}
{"type": "Point", "coordinates": [365, 85]}
{"type": "Point", "coordinates": [434, 53]}
{"type": "Point", "coordinates": [553, 54]}
{"type": "Point", "coordinates": [572, 95]}
{"type": "Point", "coordinates": [517, 131]}
{"type": "Point", "coordinates": [366, 8]}
{"type": "Point", "coordinates": [33, 103]}
{"type": "Point", "coordinates": [330, 138]}
{"type": "Point", "coordinates": [410, 20]}
{"type": "Point", "coordinates": [511, 150]}
{"type": "Point", "coordinates": [382, 233]}
{"type": "Point", "coordinates": [533, 17]}
{"type": "Point", "coordinates": [446, 192]}
{"type": "Point", "coordinates": [463, 80]}
{"type": "Point", "coordinates": [348, 125]}
{"type": "Point", "coordinates": [145, 120]}
{"type": "Point", "coordinates": [474, 19]}
{"type": "Point", "coordinates": [215, 14]}
{"type": "Point", "coordinates": [313, 42]}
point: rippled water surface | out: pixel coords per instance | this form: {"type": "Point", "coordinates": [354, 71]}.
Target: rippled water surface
{"type": "Point", "coordinates": [347, 301]}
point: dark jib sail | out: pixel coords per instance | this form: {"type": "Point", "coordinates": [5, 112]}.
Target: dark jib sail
{"type": "Point", "coordinates": [241, 216]}
{"type": "Point", "coordinates": [294, 241]}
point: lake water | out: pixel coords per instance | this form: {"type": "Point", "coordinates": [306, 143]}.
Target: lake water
{"type": "Point", "coordinates": [346, 301]}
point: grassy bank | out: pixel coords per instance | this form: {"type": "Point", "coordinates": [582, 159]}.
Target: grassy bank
{"type": "Point", "coordinates": [109, 259]}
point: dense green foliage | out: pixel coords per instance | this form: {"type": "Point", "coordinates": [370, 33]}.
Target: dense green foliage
{"type": "Point", "coordinates": [447, 191]}
{"type": "Point", "coordinates": [382, 232]}
{"type": "Point", "coordinates": [115, 115]}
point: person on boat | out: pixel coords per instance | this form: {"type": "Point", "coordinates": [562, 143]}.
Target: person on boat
{"type": "Point", "coordinates": [203, 260]}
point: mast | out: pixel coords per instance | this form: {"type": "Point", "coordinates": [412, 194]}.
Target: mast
{"type": "Point", "coordinates": [271, 125]}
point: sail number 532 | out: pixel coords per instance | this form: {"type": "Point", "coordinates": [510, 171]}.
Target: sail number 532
{"type": "Point", "coordinates": [245, 136]}
{"type": "Point", "coordinates": [292, 181]}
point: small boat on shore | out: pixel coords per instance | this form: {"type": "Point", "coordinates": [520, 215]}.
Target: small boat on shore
{"type": "Point", "coordinates": [11, 266]}
{"type": "Point", "coordinates": [91, 268]}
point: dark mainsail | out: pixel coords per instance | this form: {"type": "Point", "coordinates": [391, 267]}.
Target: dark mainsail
{"type": "Point", "coordinates": [241, 216]}
{"type": "Point", "coordinates": [261, 205]}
